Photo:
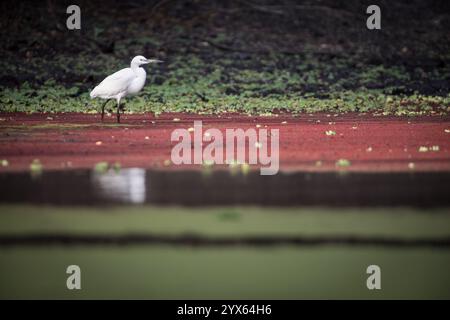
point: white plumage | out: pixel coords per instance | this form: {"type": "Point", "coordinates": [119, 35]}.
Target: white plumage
{"type": "Point", "coordinates": [122, 83]}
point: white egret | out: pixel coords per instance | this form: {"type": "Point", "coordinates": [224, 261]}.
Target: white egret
{"type": "Point", "coordinates": [124, 82]}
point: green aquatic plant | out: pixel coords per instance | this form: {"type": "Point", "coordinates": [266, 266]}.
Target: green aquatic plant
{"type": "Point", "coordinates": [343, 163]}
{"type": "Point", "coordinates": [36, 168]}
{"type": "Point", "coordinates": [189, 83]}
{"type": "Point", "coordinates": [101, 167]}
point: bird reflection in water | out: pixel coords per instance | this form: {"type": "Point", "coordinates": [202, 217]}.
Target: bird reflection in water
{"type": "Point", "coordinates": [127, 185]}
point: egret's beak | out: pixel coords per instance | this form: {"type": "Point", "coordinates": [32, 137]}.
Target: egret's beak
{"type": "Point", "coordinates": [154, 61]}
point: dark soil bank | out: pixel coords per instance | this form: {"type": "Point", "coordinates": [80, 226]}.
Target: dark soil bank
{"type": "Point", "coordinates": [263, 36]}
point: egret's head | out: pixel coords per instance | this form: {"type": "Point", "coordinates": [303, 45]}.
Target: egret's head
{"type": "Point", "coordinates": [140, 60]}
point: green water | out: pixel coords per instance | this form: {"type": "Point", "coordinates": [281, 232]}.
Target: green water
{"type": "Point", "coordinates": [236, 272]}
{"type": "Point", "coordinates": [228, 221]}
{"type": "Point", "coordinates": [230, 273]}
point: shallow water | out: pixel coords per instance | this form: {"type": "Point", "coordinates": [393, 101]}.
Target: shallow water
{"type": "Point", "coordinates": [195, 188]}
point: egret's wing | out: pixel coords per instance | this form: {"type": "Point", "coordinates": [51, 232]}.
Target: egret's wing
{"type": "Point", "coordinates": [114, 84]}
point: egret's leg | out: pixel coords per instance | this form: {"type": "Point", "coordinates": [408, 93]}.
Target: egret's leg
{"type": "Point", "coordinates": [118, 111]}
{"type": "Point", "coordinates": [103, 108]}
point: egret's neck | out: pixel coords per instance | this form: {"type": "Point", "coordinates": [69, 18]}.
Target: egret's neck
{"type": "Point", "coordinates": [138, 71]}
{"type": "Point", "coordinates": [135, 67]}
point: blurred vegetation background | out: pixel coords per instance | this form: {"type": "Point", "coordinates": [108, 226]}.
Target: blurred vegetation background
{"type": "Point", "coordinates": [256, 57]}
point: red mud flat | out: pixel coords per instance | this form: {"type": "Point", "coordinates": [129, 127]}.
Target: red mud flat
{"type": "Point", "coordinates": [370, 143]}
